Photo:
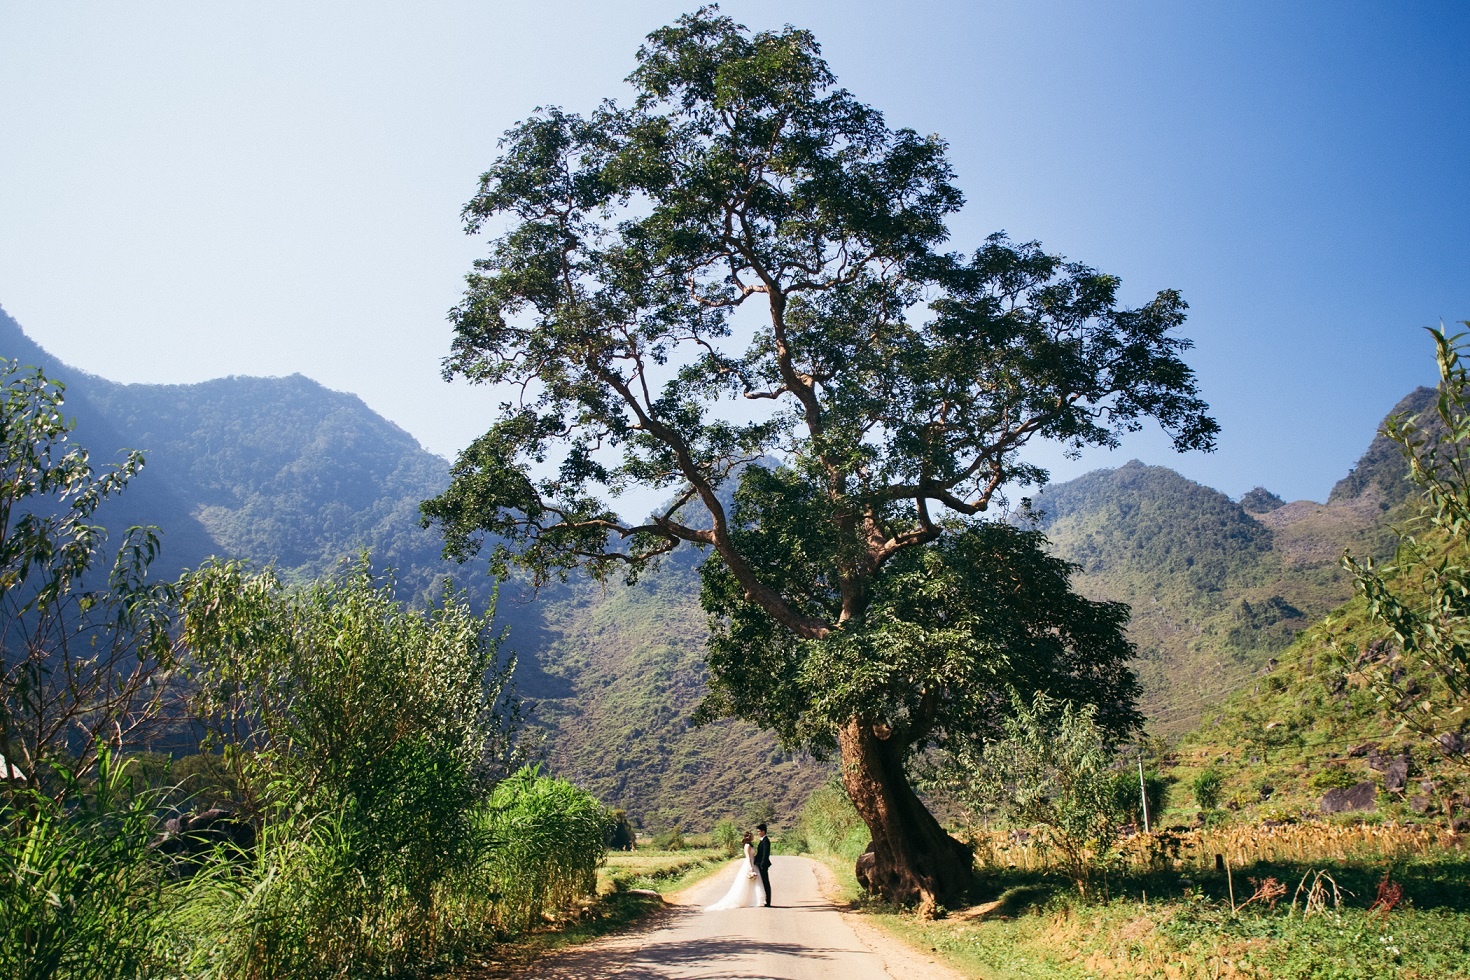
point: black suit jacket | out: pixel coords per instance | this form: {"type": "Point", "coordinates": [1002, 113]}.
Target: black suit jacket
{"type": "Point", "coordinates": [763, 853]}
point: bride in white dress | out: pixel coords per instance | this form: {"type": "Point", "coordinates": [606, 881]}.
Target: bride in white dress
{"type": "Point", "coordinates": [745, 891]}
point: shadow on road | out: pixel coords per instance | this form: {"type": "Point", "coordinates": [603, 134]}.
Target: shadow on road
{"type": "Point", "coordinates": [706, 953]}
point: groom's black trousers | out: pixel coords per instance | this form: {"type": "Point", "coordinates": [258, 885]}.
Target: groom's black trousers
{"type": "Point", "coordinates": [766, 883]}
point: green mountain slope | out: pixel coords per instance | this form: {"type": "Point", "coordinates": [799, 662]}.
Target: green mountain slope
{"type": "Point", "coordinates": [1218, 587]}
{"type": "Point", "coordinates": [1308, 722]}
{"type": "Point", "coordinates": [621, 670]}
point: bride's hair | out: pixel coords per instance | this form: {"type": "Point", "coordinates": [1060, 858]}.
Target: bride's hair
{"type": "Point", "coordinates": [747, 838]}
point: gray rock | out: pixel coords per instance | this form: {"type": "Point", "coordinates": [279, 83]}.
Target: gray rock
{"type": "Point", "coordinates": [1422, 804]}
{"type": "Point", "coordinates": [1451, 743]}
{"type": "Point", "coordinates": [1396, 776]}
{"type": "Point", "coordinates": [1362, 796]}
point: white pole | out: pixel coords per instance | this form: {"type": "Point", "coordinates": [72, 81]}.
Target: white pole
{"type": "Point", "coordinates": [1143, 792]}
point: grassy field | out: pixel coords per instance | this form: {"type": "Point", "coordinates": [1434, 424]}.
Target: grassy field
{"type": "Point", "coordinates": [665, 872]}
{"type": "Point", "coordinates": [1321, 916]}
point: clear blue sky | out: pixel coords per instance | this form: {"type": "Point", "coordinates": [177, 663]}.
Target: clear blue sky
{"type": "Point", "coordinates": [191, 190]}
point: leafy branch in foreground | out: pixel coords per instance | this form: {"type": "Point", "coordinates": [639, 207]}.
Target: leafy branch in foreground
{"type": "Point", "coordinates": [1421, 598]}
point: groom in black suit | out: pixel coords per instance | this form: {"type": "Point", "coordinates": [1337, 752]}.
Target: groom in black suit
{"type": "Point", "coordinates": [763, 861]}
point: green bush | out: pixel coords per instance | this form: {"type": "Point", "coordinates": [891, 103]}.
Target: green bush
{"type": "Point", "coordinates": [728, 836]}
{"type": "Point", "coordinates": [671, 839]}
{"type": "Point", "coordinates": [546, 842]}
{"type": "Point", "coordinates": [619, 834]}
{"type": "Point", "coordinates": [1333, 777]}
{"type": "Point", "coordinates": [830, 825]}
{"type": "Point", "coordinates": [1128, 802]}
{"type": "Point", "coordinates": [1208, 786]}
{"type": "Point", "coordinates": [373, 737]}
{"type": "Point", "coordinates": [1052, 770]}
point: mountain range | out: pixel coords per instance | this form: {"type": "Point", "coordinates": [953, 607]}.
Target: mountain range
{"type": "Point", "coordinates": [283, 471]}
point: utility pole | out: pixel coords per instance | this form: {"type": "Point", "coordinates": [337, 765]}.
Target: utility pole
{"type": "Point", "coordinates": [1143, 792]}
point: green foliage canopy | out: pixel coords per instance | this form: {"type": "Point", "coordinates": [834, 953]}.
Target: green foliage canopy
{"type": "Point", "coordinates": [948, 630]}
{"type": "Point", "coordinates": [740, 175]}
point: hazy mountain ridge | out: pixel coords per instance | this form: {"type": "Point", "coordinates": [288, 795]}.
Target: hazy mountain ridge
{"type": "Point", "coordinates": [277, 470]}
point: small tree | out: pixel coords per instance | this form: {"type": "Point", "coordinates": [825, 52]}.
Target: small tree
{"type": "Point", "coordinates": [1052, 769]}
{"type": "Point", "coordinates": [82, 642]}
{"type": "Point", "coordinates": [619, 834]}
{"type": "Point", "coordinates": [1208, 786]}
{"type": "Point", "coordinates": [1128, 800]}
{"type": "Point", "coordinates": [1421, 598]}
{"type": "Point", "coordinates": [727, 835]}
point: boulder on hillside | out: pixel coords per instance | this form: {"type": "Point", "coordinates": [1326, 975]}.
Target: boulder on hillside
{"type": "Point", "coordinates": [1362, 796]}
{"type": "Point", "coordinates": [1396, 776]}
{"type": "Point", "coordinates": [1373, 652]}
{"type": "Point", "coordinates": [1381, 761]}
{"type": "Point", "coordinates": [1452, 743]}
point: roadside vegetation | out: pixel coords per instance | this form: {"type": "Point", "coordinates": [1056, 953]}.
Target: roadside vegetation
{"type": "Point", "coordinates": [362, 805]}
{"type": "Point", "coordinates": [1308, 900]}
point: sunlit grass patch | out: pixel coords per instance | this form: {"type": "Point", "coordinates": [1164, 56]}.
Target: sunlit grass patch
{"type": "Point", "coordinates": [1186, 925]}
{"type": "Point", "coordinates": [661, 871]}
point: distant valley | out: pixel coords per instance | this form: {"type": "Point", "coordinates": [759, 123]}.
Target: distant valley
{"type": "Point", "coordinates": [284, 471]}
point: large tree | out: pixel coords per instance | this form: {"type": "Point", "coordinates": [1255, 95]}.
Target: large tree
{"type": "Point", "coordinates": [896, 383]}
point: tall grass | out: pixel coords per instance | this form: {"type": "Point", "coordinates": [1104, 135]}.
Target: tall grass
{"type": "Point", "coordinates": [1239, 845]}
{"type": "Point", "coordinates": [306, 908]}
{"type": "Point", "coordinates": [80, 892]}
{"type": "Point", "coordinates": [546, 844]}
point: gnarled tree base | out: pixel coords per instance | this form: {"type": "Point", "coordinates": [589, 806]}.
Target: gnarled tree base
{"type": "Point", "coordinates": [911, 860]}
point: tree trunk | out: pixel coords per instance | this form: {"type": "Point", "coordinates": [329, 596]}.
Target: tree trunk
{"type": "Point", "coordinates": [911, 859]}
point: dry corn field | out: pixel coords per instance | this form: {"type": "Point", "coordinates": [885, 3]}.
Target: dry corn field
{"type": "Point", "coordinates": [1241, 846]}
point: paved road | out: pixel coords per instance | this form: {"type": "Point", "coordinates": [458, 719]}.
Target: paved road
{"type": "Point", "coordinates": [803, 937]}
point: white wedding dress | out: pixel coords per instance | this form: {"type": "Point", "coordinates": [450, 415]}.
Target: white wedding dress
{"type": "Point", "coordinates": [745, 891]}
